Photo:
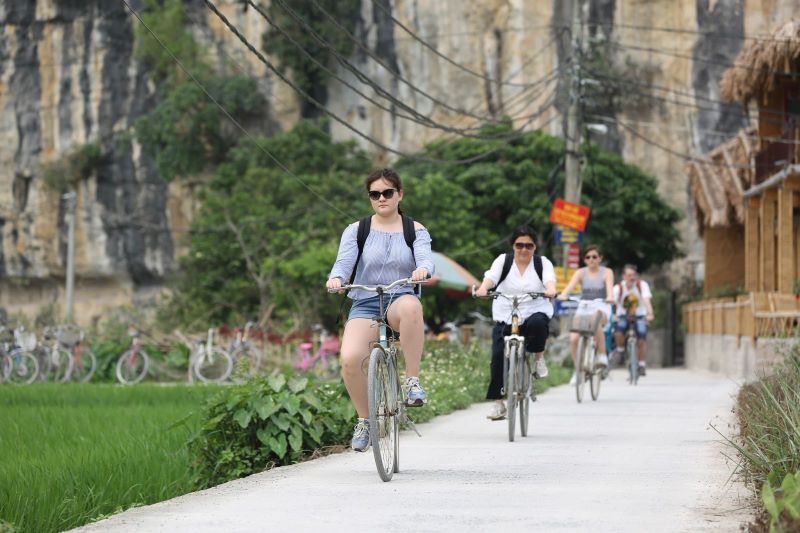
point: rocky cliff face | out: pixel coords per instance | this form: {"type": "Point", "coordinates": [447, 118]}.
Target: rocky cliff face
{"type": "Point", "coordinates": [68, 77]}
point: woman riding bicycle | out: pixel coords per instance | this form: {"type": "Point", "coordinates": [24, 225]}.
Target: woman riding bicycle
{"type": "Point", "coordinates": [386, 257]}
{"type": "Point", "coordinates": [597, 283]}
{"type": "Point", "coordinates": [535, 314]}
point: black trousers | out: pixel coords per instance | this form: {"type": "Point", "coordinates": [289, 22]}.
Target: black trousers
{"type": "Point", "coordinates": [535, 330]}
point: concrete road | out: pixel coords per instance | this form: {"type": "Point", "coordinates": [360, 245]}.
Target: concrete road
{"type": "Point", "coordinates": [639, 459]}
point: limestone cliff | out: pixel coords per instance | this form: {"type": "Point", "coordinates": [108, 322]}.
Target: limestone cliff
{"type": "Point", "coordinates": [68, 76]}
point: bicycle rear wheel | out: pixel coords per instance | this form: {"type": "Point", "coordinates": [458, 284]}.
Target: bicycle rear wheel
{"type": "Point", "coordinates": [511, 389]}
{"type": "Point", "coordinates": [132, 368]}
{"type": "Point", "coordinates": [633, 359]}
{"type": "Point", "coordinates": [60, 363]}
{"type": "Point", "coordinates": [85, 363]}
{"type": "Point", "coordinates": [382, 413]}
{"type": "Point", "coordinates": [213, 366]}
{"type": "Point", "coordinates": [580, 363]}
{"type": "Point", "coordinates": [525, 387]}
{"type": "Point", "coordinates": [596, 374]}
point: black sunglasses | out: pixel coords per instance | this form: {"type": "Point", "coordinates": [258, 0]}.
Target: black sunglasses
{"type": "Point", "coordinates": [591, 257]}
{"type": "Point", "coordinates": [523, 245]}
{"type": "Point", "coordinates": [387, 193]}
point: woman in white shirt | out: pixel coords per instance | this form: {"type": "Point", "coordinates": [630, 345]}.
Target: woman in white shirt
{"type": "Point", "coordinates": [534, 314]}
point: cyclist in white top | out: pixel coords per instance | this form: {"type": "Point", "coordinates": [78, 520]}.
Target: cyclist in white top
{"type": "Point", "coordinates": [634, 299]}
{"type": "Point", "coordinates": [534, 314]}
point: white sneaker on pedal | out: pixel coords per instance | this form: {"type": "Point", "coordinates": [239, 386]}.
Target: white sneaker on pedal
{"type": "Point", "coordinates": [573, 379]}
{"type": "Point", "coordinates": [601, 360]}
{"type": "Point", "coordinates": [541, 369]}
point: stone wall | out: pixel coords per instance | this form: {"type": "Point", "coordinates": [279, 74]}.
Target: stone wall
{"type": "Point", "coordinates": [735, 357]}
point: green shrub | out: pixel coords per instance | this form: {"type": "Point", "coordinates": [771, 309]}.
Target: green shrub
{"type": "Point", "coordinates": [782, 503]}
{"type": "Point", "coordinates": [266, 422]}
{"type": "Point", "coordinates": [285, 418]}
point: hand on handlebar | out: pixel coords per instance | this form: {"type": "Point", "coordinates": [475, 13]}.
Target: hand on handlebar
{"type": "Point", "coordinates": [333, 284]}
{"type": "Point", "coordinates": [420, 274]}
{"type": "Point", "coordinates": [479, 292]}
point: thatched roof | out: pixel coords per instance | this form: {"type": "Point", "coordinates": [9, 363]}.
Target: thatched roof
{"type": "Point", "coordinates": [719, 178]}
{"type": "Point", "coordinates": [759, 64]}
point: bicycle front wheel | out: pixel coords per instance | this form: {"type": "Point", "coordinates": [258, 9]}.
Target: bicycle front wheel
{"type": "Point", "coordinates": [213, 366]}
{"type": "Point", "coordinates": [580, 371]}
{"type": "Point", "coordinates": [526, 391]}
{"type": "Point", "coordinates": [61, 363]}
{"type": "Point", "coordinates": [85, 364]}
{"type": "Point", "coordinates": [633, 359]}
{"type": "Point", "coordinates": [132, 367]}
{"type": "Point", "coordinates": [596, 376]}
{"type": "Point", "coordinates": [23, 368]}
{"type": "Point", "coordinates": [383, 411]}
{"type": "Point", "coordinates": [511, 389]}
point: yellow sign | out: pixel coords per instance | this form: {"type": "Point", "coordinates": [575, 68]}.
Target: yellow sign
{"type": "Point", "coordinates": [563, 276]}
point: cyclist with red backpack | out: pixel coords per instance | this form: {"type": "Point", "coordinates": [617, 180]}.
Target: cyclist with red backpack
{"type": "Point", "coordinates": [634, 302]}
{"type": "Point", "coordinates": [380, 249]}
{"type": "Point", "coordinates": [518, 272]}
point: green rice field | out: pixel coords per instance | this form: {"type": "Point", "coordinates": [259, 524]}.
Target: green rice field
{"type": "Point", "coordinates": [74, 453]}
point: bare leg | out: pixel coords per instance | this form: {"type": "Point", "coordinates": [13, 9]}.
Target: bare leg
{"type": "Point", "coordinates": [573, 345]}
{"type": "Point", "coordinates": [619, 339]}
{"type": "Point", "coordinates": [642, 350]}
{"type": "Point", "coordinates": [358, 333]}
{"type": "Point", "coordinates": [599, 336]}
{"type": "Point", "coordinates": [405, 316]}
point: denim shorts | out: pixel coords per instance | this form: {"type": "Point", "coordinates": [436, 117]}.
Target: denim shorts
{"type": "Point", "coordinates": [641, 326]}
{"type": "Point", "coordinates": [368, 307]}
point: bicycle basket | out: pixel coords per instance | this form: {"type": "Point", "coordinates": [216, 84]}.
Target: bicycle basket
{"type": "Point", "coordinates": [68, 335]}
{"type": "Point", "coordinates": [26, 340]}
{"type": "Point", "coordinates": [585, 324]}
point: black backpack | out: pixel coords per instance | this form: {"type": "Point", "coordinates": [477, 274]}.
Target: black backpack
{"type": "Point", "coordinates": [363, 231]}
{"type": "Point", "coordinates": [509, 260]}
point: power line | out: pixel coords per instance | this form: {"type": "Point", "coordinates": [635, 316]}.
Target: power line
{"type": "Point", "coordinates": [233, 120]}
{"type": "Point", "coordinates": [378, 4]}
{"type": "Point", "coordinates": [722, 35]}
{"type": "Point", "coordinates": [322, 108]}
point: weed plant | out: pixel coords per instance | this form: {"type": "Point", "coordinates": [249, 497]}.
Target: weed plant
{"type": "Point", "coordinates": [769, 444]}
{"type": "Point", "coordinates": [74, 453]}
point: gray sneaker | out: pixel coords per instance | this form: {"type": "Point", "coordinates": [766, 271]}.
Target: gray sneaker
{"type": "Point", "coordinates": [415, 394]}
{"type": "Point", "coordinates": [360, 442]}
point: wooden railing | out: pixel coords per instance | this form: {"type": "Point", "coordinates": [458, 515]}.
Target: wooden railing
{"type": "Point", "coordinates": [756, 314]}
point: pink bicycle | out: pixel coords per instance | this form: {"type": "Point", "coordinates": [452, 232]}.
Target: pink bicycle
{"type": "Point", "coordinates": [325, 363]}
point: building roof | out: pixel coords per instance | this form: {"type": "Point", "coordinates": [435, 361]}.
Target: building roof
{"type": "Point", "coordinates": [719, 178]}
{"type": "Point", "coordinates": [760, 63]}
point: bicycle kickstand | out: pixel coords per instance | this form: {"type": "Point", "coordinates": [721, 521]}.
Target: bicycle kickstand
{"type": "Point", "coordinates": [405, 419]}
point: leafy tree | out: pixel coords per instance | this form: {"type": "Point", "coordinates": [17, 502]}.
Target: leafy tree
{"type": "Point", "coordinates": [307, 75]}
{"type": "Point", "coordinates": [187, 132]}
{"type": "Point", "coordinates": [167, 19]}
{"type": "Point", "coordinates": [65, 173]}
{"type": "Point", "coordinates": [263, 242]}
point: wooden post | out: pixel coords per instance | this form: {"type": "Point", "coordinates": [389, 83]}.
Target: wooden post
{"type": "Point", "coordinates": [751, 248]}
{"type": "Point", "coordinates": [785, 271]}
{"type": "Point", "coordinates": [767, 240]}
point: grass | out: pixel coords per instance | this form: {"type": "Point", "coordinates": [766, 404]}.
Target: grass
{"type": "Point", "coordinates": [769, 440]}
{"type": "Point", "coordinates": [75, 453]}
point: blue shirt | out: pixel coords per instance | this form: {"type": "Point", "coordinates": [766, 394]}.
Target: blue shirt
{"type": "Point", "coordinates": [386, 258]}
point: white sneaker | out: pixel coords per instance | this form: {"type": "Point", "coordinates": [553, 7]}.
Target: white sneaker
{"type": "Point", "coordinates": [573, 379]}
{"type": "Point", "coordinates": [498, 412]}
{"type": "Point", "coordinates": [601, 360]}
{"type": "Point", "coordinates": [541, 369]}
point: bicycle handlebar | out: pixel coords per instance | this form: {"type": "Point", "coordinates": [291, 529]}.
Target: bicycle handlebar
{"type": "Point", "coordinates": [377, 288]}
{"type": "Point", "coordinates": [495, 294]}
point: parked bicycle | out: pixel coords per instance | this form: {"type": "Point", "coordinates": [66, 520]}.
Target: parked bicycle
{"type": "Point", "coordinates": [585, 322]}
{"type": "Point", "coordinates": [18, 363]}
{"type": "Point", "coordinates": [325, 362]}
{"type": "Point", "coordinates": [209, 363]}
{"type": "Point", "coordinates": [132, 366]}
{"type": "Point", "coordinates": [387, 404]}
{"type": "Point", "coordinates": [518, 380]}
{"type": "Point", "coordinates": [242, 349]}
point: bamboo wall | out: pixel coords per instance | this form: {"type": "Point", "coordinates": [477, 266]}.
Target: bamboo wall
{"type": "Point", "coordinates": [753, 315]}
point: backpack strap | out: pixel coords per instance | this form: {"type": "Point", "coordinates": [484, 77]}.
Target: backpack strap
{"type": "Point", "coordinates": [538, 267]}
{"type": "Point", "coordinates": [361, 237]}
{"type": "Point", "coordinates": [409, 233]}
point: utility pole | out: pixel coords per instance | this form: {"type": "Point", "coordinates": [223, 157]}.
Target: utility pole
{"type": "Point", "coordinates": [572, 192]}
{"type": "Point", "coordinates": [71, 199]}
{"type": "Point", "coordinates": [572, 163]}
